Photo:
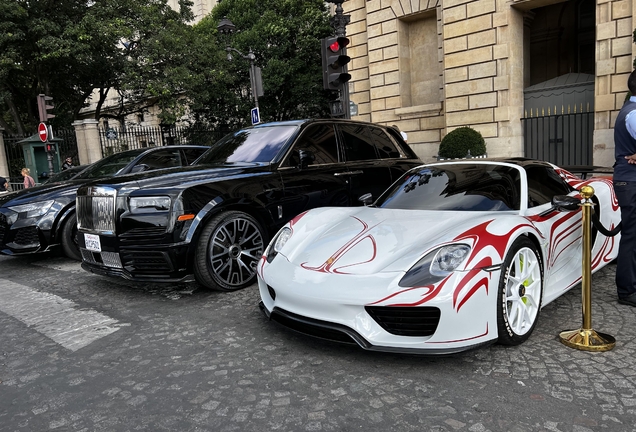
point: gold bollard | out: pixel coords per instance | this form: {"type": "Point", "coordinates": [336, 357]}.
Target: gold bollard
{"type": "Point", "coordinates": [585, 338]}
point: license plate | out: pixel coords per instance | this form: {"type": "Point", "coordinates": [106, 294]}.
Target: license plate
{"type": "Point", "coordinates": [92, 242]}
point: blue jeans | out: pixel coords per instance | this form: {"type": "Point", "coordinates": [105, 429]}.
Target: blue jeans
{"type": "Point", "coordinates": [626, 261]}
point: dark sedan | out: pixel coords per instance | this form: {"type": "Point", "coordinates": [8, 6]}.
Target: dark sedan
{"type": "Point", "coordinates": [214, 219]}
{"type": "Point", "coordinates": [43, 217]}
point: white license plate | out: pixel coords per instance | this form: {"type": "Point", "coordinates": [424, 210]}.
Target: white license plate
{"type": "Point", "coordinates": [92, 242]}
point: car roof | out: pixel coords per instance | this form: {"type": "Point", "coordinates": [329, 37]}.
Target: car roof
{"type": "Point", "coordinates": [301, 122]}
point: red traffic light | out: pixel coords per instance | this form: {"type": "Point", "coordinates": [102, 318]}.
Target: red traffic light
{"type": "Point", "coordinates": [339, 44]}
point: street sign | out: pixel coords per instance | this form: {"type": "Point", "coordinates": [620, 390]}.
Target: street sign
{"type": "Point", "coordinates": [111, 134]}
{"type": "Point", "coordinates": [43, 132]}
{"type": "Point", "coordinates": [256, 116]}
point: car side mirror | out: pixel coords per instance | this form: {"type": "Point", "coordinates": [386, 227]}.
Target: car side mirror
{"type": "Point", "coordinates": [366, 199]}
{"type": "Point", "coordinates": [565, 202]}
{"type": "Point", "coordinates": [139, 168]}
{"type": "Point", "coordinates": [306, 158]}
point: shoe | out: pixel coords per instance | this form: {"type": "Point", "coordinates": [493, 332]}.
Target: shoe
{"type": "Point", "coordinates": [629, 300]}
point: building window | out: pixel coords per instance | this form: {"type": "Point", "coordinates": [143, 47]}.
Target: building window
{"type": "Point", "coordinates": [420, 68]}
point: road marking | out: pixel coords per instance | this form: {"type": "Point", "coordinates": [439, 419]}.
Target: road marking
{"type": "Point", "coordinates": [57, 318]}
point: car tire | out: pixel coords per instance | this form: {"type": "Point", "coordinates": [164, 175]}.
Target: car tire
{"type": "Point", "coordinates": [69, 238]}
{"type": "Point", "coordinates": [229, 249]}
{"type": "Point", "coordinates": [520, 292]}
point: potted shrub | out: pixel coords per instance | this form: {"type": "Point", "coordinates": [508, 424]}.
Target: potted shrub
{"type": "Point", "coordinates": [461, 143]}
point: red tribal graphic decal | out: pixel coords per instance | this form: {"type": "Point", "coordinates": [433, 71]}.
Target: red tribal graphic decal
{"type": "Point", "coordinates": [329, 265]}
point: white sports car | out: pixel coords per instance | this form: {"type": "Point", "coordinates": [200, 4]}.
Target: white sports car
{"type": "Point", "coordinates": [452, 256]}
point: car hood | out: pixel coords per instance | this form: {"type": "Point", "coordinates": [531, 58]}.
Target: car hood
{"type": "Point", "coordinates": [181, 176]}
{"type": "Point", "coordinates": [45, 192]}
{"type": "Point", "coordinates": [367, 240]}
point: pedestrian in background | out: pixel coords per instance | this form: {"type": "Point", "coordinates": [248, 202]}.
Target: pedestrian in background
{"type": "Point", "coordinates": [28, 180]}
{"type": "Point", "coordinates": [68, 163]}
{"type": "Point", "coordinates": [625, 189]}
{"type": "Point", "coordinates": [4, 186]}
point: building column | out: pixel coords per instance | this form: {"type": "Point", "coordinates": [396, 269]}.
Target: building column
{"type": "Point", "coordinates": [88, 146]}
{"type": "Point", "coordinates": [4, 166]}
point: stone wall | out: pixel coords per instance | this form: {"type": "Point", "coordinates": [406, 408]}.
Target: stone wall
{"type": "Point", "coordinates": [430, 66]}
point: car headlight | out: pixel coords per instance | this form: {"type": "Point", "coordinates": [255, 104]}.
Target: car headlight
{"type": "Point", "coordinates": [435, 265]}
{"type": "Point", "coordinates": [282, 238]}
{"type": "Point", "coordinates": [277, 243]}
{"type": "Point", "coordinates": [149, 204]}
{"type": "Point", "coordinates": [34, 209]}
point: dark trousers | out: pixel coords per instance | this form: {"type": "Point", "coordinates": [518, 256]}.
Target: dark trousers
{"type": "Point", "coordinates": [626, 261]}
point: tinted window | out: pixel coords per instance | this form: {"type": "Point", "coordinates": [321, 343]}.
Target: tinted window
{"type": "Point", "coordinates": [161, 159]}
{"type": "Point", "coordinates": [544, 184]}
{"type": "Point", "coordinates": [191, 154]}
{"type": "Point", "coordinates": [260, 144]}
{"type": "Point", "coordinates": [358, 143]}
{"type": "Point", "coordinates": [110, 165]}
{"type": "Point", "coordinates": [386, 148]}
{"type": "Point", "coordinates": [320, 140]}
{"type": "Point", "coordinates": [464, 187]}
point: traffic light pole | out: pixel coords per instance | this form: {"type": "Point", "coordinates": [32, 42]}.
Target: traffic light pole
{"type": "Point", "coordinates": [339, 23]}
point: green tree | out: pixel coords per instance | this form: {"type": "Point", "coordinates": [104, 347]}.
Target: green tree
{"type": "Point", "coordinates": [285, 37]}
{"type": "Point", "coordinates": [70, 49]}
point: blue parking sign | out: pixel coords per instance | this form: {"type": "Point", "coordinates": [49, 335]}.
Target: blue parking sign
{"type": "Point", "coordinates": [256, 116]}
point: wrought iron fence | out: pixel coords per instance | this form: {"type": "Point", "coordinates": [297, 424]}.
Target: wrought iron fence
{"type": "Point", "coordinates": [115, 140]}
{"type": "Point", "coordinates": [563, 139]}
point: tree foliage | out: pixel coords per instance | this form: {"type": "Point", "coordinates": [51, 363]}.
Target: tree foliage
{"type": "Point", "coordinates": [285, 37]}
{"type": "Point", "coordinates": [68, 49]}
{"type": "Point", "coordinates": [77, 51]}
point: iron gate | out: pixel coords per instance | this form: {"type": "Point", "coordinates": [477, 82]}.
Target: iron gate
{"type": "Point", "coordinates": [563, 139]}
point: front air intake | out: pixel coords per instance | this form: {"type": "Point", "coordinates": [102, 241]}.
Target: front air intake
{"type": "Point", "coordinates": [406, 321]}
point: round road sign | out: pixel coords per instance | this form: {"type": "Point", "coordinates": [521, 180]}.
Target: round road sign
{"type": "Point", "coordinates": [43, 132]}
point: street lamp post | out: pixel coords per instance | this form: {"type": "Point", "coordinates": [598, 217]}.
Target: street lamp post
{"type": "Point", "coordinates": [227, 27]}
{"type": "Point", "coordinates": [251, 57]}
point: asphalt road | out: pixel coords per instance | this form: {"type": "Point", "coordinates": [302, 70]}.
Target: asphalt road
{"type": "Point", "coordinates": [80, 352]}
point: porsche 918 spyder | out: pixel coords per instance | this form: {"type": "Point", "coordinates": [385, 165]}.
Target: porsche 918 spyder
{"type": "Point", "coordinates": [452, 256]}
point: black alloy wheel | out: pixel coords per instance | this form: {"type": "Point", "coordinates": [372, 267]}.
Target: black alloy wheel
{"type": "Point", "coordinates": [229, 249]}
{"type": "Point", "coordinates": [70, 245]}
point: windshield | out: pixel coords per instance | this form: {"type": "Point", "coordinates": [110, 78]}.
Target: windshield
{"type": "Point", "coordinates": [260, 144]}
{"type": "Point", "coordinates": [110, 165]}
{"type": "Point", "coordinates": [463, 187]}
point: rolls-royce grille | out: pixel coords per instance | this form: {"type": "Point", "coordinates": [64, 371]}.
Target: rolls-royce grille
{"type": "Point", "coordinates": [406, 321]}
{"type": "Point", "coordinates": [96, 213]}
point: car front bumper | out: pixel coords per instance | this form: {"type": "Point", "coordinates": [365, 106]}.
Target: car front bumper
{"type": "Point", "coordinates": [149, 263]}
{"type": "Point", "coordinates": [370, 310]}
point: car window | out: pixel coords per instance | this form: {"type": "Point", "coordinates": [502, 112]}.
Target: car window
{"type": "Point", "coordinates": [543, 184]}
{"type": "Point", "coordinates": [161, 159]}
{"type": "Point", "coordinates": [386, 148]}
{"type": "Point", "coordinates": [110, 165]}
{"type": "Point", "coordinates": [191, 154]}
{"type": "Point", "coordinates": [358, 144]}
{"type": "Point", "coordinates": [462, 187]}
{"type": "Point", "coordinates": [259, 144]}
{"type": "Point", "coordinates": [318, 139]}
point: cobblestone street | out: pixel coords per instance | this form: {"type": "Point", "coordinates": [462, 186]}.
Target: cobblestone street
{"type": "Point", "coordinates": [180, 358]}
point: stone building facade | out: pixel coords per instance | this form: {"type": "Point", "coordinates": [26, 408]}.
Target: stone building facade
{"type": "Point", "coordinates": [430, 66]}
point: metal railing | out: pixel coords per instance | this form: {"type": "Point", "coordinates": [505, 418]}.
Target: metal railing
{"type": "Point", "coordinates": [115, 140]}
{"type": "Point", "coordinates": [563, 139]}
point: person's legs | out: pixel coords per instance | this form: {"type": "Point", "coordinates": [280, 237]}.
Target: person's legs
{"type": "Point", "coordinates": [626, 260]}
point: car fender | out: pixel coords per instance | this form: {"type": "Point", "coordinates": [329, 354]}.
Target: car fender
{"type": "Point", "coordinates": [216, 206]}
{"type": "Point", "coordinates": [63, 215]}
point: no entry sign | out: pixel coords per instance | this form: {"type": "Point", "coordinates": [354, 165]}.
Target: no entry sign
{"type": "Point", "coordinates": [43, 132]}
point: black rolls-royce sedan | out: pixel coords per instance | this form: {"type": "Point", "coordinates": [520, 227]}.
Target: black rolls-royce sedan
{"type": "Point", "coordinates": [213, 219]}
{"type": "Point", "coordinates": [42, 218]}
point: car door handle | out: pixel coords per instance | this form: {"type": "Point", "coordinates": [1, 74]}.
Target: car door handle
{"type": "Point", "coordinates": [348, 173]}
